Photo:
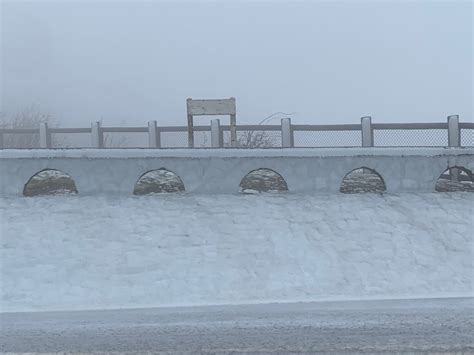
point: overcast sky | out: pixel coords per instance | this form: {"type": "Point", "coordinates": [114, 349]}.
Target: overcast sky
{"type": "Point", "coordinates": [129, 62]}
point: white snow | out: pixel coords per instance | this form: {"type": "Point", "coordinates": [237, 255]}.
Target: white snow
{"type": "Point", "coordinates": [50, 173]}
{"type": "Point", "coordinates": [229, 153]}
{"type": "Point", "coordinates": [158, 181]}
{"type": "Point", "coordinates": [73, 252]}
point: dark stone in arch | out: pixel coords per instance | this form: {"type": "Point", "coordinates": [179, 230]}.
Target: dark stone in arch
{"type": "Point", "coordinates": [455, 178]}
{"type": "Point", "coordinates": [50, 182]}
{"type": "Point", "coordinates": [158, 181]}
{"type": "Point", "coordinates": [263, 180]}
{"type": "Point", "coordinates": [362, 180]}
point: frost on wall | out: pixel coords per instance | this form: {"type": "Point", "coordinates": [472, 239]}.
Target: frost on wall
{"type": "Point", "coordinates": [158, 181]}
{"type": "Point", "coordinates": [362, 180]}
{"type": "Point", "coordinates": [455, 179]}
{"type": "Point", "coordinates": [50, 182]}
{"type": "Point", "coordinates": [263, 180]}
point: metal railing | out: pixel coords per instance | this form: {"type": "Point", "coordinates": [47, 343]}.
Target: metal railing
{"type": "Point", "coordinates": [285, 135]}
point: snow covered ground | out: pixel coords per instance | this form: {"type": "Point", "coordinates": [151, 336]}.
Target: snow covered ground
{"type": "Point", "coordinates": [73, 252]}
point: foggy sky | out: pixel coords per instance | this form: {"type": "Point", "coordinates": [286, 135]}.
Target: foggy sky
{"type": "Point", "coordinates": [130, 62]}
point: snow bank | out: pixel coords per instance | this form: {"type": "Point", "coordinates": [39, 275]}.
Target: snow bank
{"type": "Point", "coordinates": [71, 252]}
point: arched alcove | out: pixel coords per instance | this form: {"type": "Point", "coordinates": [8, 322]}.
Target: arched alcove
{"type": "Point", "coordinates": [362, 180]}
{"type": "Point", "coordinates": [263, 180]}
{"type": "Point", "coordinates": [50, 182]}
{"type": "Point", "coordinates": [158, 181]}
{"type": "Point", "coordinates": [456, 178]}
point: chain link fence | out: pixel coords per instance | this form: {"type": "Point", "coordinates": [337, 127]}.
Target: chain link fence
{"type": "Point", "coordinates": [125, 140]}
{"type": "Point", "coordinates": [67, 140]}
{"type": "Point", "coordinates": [248, 136]}
{"type": "Point", "coordinates": [174, 139]}
{"type": "Point", "coordinates": [21, 140]}
{"type": "Point", "coordinates": [327, 138]}
{"type": "Point", "coordinates": [410, 138]}
{"type": "Point", "coordinates": [467, 137]}
{"type": "Point", "coordinates": [202, 139]}
{"type": "Point", "coordinates": [251, 139]}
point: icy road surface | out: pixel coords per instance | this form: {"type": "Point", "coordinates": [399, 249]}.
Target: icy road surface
{"type": "Point", "coordinates": [436, 325]}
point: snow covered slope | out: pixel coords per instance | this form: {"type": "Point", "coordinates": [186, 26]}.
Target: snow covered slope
{"type": "Point", "coordinates": [71, 252]}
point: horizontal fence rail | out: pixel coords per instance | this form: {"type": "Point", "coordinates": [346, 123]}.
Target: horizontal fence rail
{"type": "Point", "coordinates": [451, 133]}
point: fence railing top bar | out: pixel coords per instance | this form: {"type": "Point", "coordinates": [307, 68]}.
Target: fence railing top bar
{"type": "Point", "coordinates": [19, 130]}
{"type": "Point", "coordinates": [326, 127]}
{"type": "Point", "coordinates": [295, 127]}
{"type": "Point", "coordinates": [172, 128]}
{"type": "Point", "coordinates": [202, 128]}
{"type": "Point", "coordinates": [252, 127]}
{"type": "Point", "coordinates": [69, 130]}
{"type": "Point", "coordinates": [183, 128]}
{"type": "Point", "coordinates": [437, 125]}
{"type": "Point", "coordinates": [452, 132]}
{"type": "Point", "coordinates": [124, 129]}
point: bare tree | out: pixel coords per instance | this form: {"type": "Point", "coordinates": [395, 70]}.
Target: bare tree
{"type": "Point", "coordinates": [256, 139]}
{"type": "Point", "coordinates": [29, 118]}
{"type": "Point", "coordinates": [113, 141]}
{"type": "Point", "coordinates": [261, 138]}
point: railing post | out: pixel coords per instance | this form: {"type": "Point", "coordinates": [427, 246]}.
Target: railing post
{"type": "Point", "coordinates": [286, 133]}
{"type": "Point", "coordinates": [233, 131]}
{"type": "Point", "coordinates": [367, 132]}
{"type": "Point", "coordinates": [454, 133]}
{"type": "Point", "coordinates": [190, 131]}
{"type": "Point", "coordinates": [454, 140]}
{"type": "Point", "coordinates": [45, 137]}
{"type": "Point", "coordinates": [154, 139]}
{"type": "Point", "coordinates": [97, 137]}
{"type": "Point", "coordinates": [217, 138]}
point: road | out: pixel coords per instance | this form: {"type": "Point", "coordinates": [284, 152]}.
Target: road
{"type": "Point", "coordinates": [435, 325]}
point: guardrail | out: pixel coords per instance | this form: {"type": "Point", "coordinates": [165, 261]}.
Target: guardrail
{"type": "Point", "coordinates": [286, 135]}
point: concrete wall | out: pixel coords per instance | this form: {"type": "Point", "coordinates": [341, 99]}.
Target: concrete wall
{"type": "Point", "coordinates": [221, 170]}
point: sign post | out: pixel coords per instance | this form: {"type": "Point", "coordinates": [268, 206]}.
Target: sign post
{"type": "Point", "coordinates": [210, 108]}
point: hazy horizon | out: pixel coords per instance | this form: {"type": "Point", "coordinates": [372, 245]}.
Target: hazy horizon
{"type": "Point", "coordinates": [130, 62]}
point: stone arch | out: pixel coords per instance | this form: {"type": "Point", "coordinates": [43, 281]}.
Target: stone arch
{"type": "Point", "coordinates": [263, 180]}
{"type": "Point", "coordinates": [455, 178]}
{"type": "Point", "coordinates": [50, 182]}
{"type": "Point", "coordinates": [362, 180]}
{"type": "Point", "coordinates": [159, 180]}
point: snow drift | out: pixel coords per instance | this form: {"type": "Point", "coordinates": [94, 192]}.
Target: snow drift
{"type": "Point", "coordinates": [72, 252]}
